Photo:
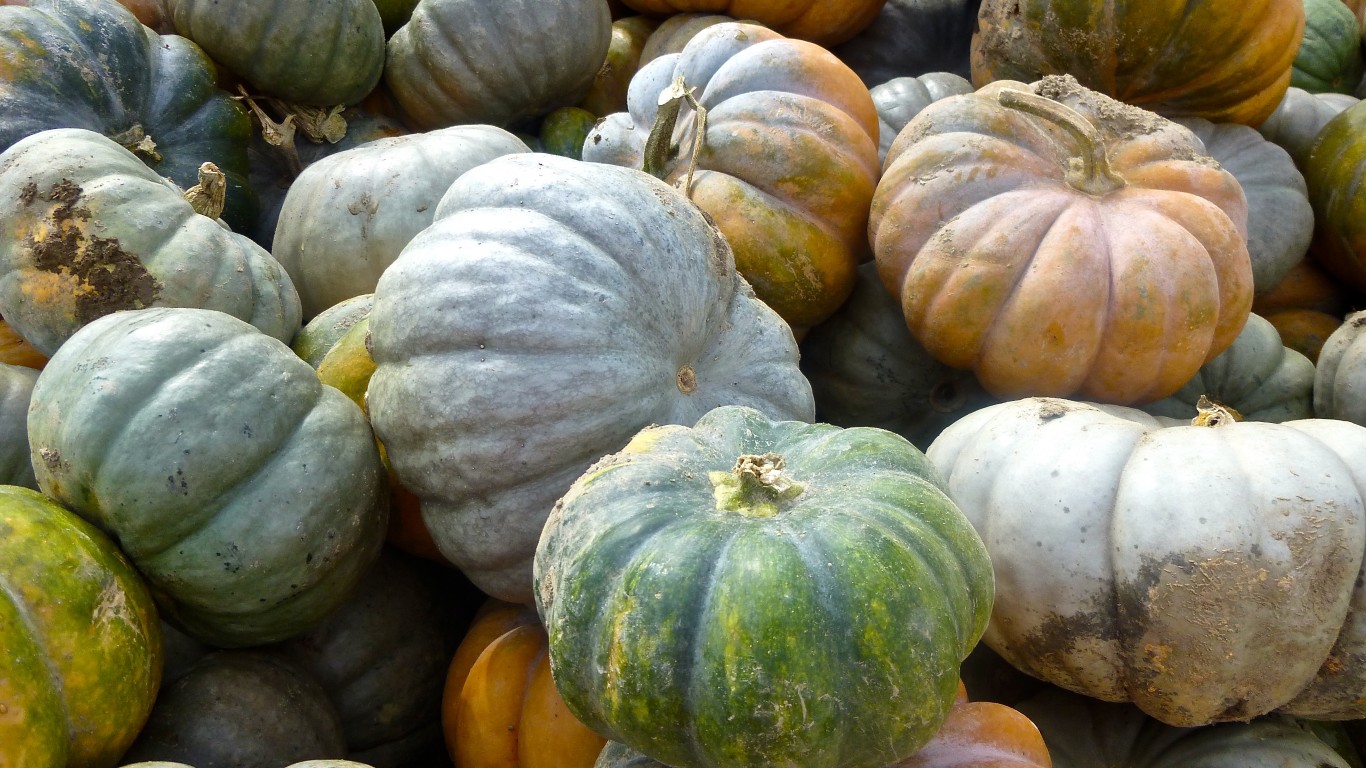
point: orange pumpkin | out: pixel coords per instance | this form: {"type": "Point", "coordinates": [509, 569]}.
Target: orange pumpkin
{"type": "Point", "coordinates": [983, 734]}
{"type": "Point", "coordinates": [500, 708]}
{"type": "Point", "coordinates": [827, 22]}
{"type": "Point", "coordinates": [15, 351]}
{"type": "Point", "coordinates": [1305, 307]}
{"type": "Point", "coordinates": [1058, 242]}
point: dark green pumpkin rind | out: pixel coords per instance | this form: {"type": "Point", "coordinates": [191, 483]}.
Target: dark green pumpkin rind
{"type": "Point", "coordinates": [827, 635]}
{"type": "Point", "coordinates": [1329, 58]}
{"type": "Point", "coordinates": [1334, 173]}
{"type": "Point", "coordinates": [82, 608]}
{"type": "Point", "coordinates": [90, 64]}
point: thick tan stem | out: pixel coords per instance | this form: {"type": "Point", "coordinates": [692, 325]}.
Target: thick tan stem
{"type": "Point", "coordinates": [1090, 170]}
{"type": "Point", "coordinates": [755, 486]}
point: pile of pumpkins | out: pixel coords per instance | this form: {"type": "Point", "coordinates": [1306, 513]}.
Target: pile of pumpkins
{"type": "Point", "coordinates": [811, 383]}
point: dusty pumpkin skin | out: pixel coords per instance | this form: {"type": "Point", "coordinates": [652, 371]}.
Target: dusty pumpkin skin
{"type": "Point", "coordinates": [1223, 61]}
{"type": "Point", "coordinates": [787, 165]}
{"type": "Point", "coordinates": [986, 214]}
{"type": "Point", "coordinates": [826, 22]}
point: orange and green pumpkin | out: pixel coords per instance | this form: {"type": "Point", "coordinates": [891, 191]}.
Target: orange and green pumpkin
{"type": "Point", "coordinates": [826, 22]}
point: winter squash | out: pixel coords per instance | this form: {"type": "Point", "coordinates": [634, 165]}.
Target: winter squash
{"type": "Point", "coordinates": [785, 165]}
{"type": "Point", "coordinates": [14, 350]}
{"type": "Point", "coordinates": [1333, 173]}
{"type": "Point", "coordinates": [1305, 307]}
{"type": "Point", "coordinates": [826, 22]}
{"type": "Point", "coordinates": [321, 53]}
{"type": "Point", "coordinates": [900, 99]}
{"type": "Point", "coordinates": [1340, 378]}
{"type": "Point", "coordinates": [756, 592]}
{"type": "Point", "coordinates": [347, 216]}
{"type": "Point", "coordinates": [87, 229]}
{"type": "Point", "coordinates": [463, 61]}
{"type": "Point", "coordinates": [674, 33]}
{"type": "Point", "coordinates": [96, 76]}
{"type": "Point", "coordinates": [321, 334]}
{"type": "Point", "coordinates": [607, 94]}
{"type": "Point", "coordinates": [500, 708]}
{"type": "Point", "coordinates": [994, 204]}
{"type": "Point", "coordinates": [1257, 376]}
{"type": "Point", "coordinates": [1116, 531]}
{"type": "Point", "coordinates": [909, 38]}
{"type": "Point", "coordinates": [16, 386]}
{"type": "Point", "coordinates": [1329, 58]}
{"type": "Point", "coordinates": [479, 316]}
{"type": "Point", "coordinates": [246, 492]}
{"type": "Point", "coordinates": [1224, 61]}
{"type": "Point", "coordinates": [82, 658]}
{"type": "Point", "coordinates": [1299, 118]}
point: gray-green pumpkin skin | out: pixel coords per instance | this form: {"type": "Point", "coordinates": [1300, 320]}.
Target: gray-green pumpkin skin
{"type": "Point", "coordinates": [1299, 117]}
{"type": "Point", "coordinates": [16, 387]}
{"type": "Point", "coordinates": [1340, 375]}
{"type": "Point", "coordinates": [901, 98]}
{"type": "Point", "coordinates": [1329, 59]}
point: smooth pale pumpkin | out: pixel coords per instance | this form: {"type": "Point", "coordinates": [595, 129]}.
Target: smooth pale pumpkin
{"type": "Point", "coordinates": [249, 494]}
{"type": "Point", "coordinates": [87, 229]}
{"type": "Point", "coordinates": [500, 708]}
{"type": "Point", "coordinates": [909, 38]}
{"type": "Point", "coordinates": [1055, 241]}
{"type": "Point", "coordinates": [16, 386]}
{"type": "Point", "coordinates": [750, 592]}
{"type": "Point", "coordinates": [1340, 376]}
{"type": "Point", "coordinates": [787, 162]}
{"type": "Point", "coordinates": [598, 294]}
{"type": "Point", "coordinates": [1224, 60]}
{"type": "Point", "coordinates": [1205, 573]}
{"type": "Point", "coordinates": [826, 22]}
{"type": "Point", "coordinates": [82, 659]}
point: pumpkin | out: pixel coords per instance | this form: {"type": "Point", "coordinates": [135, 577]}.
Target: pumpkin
{"type": "Point", "coordinates": [1229, 62]}
{"type": "Point", "coordinates": [501, 708]}
{"type": "Point", "coordinates": [248, 493]}
{"type": "Point", "coordinates": [909, 38]}
{"type": "Point", "coordinates": [1085, 733]}
{"type": "Point", "coordinates": [994, 204]}
{"type": "Point", "coordinates": [479, 316]}
{"type": "Point", "coordinates": [14, 350]}
{"type": "Point", "coordinates": [347, 216]}
{"type": "Point", "coordinates": [465, 61]}
{"type": "Point", "coordinates": [97, 74]}
{"type": "Point", "coordinates": [564, 130]}
{"type": "Point", "coordinates": [1280, 221]}
{"type": "Point", "coordinates": [900, 99]}
{"type": "Point", "coordinates": [82, 658]}
{"type": "Point", "coordinates": [1340, 377]}
{"type": "Point", "coordinates": [1257, 376]}
{"type": "Point", "coordinates": [757, 592]}
{"type": "Point", "coordinates": [321, 334]}
{"type": "Point", "coordinates": [87, 229]}
{"type": "Point", "coordinates": [786, 164]}
{"type": "Point", "coordinates": [244, 708]}
{"type": "Point", "coordinates": [607, 94]}
{"type": "Point", "coordinates": [320, 53]}
{"type": "Point", "coordinates": [1329, 58]}
{"type": "Point", "coordinates": [1305, 307]}
{"type": "Point", "coordinates": [866, 370]}
{"type": "Point", "coordinates": [674, 33]}
{"type": "Point", "coordinates": [826, 22]}
{"type": "Point", "coordinates": [1204, 572]}
{"type": "Point", "coordinates": [1333, 173]}
{"type": "Point", "coordinates": [16, 386]}
{"type": "Point", "coordinates": [1299, 117]}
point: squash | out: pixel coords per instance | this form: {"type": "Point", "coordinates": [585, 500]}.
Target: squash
{"type": "Point", "coordinates": [460, 61]}
{"type": "Point", "coordinates": [1257, 376]}
{"type": "Point", "coordinates": [1204, 572]}
{"type": "Point", "coordinates": [321, 52]}
{"type": "Point", "coordinates": [321, 334]}
{"type": "Point", "coordinates": [1333, 172]}
{"type": "Point", "coordinates": [244, 708]}
{"type": "Point", "coordinates": [98, 75]}
{"type": "Point", "coordinates": [82, 658]}
{"type": "Point", "coordinates": [607, 94]}
{"type": "Point", "coordinates": [87, 229]}
{"type": "Point", "coordinates": [247, 493]}
{"type": "Point", "coordinates": [501, 708]}
{"type": "Point", "coordinates": [1225, 61]}
{"type": "Point", "coordinates": [347, 216]}
{"type": "Point", "coordinates": [598, 293]}
{"type": "Point", "coordinates": [750, 592]}
{"type": "Point", "coordinates": [994, 204]}
{"type": "Point", "coordinates": [1329, 58]}
{"type": "Point", "coordinates": [866, 370]}
{"type": "Point", "coordinates": [564, 130]}
{"type": "Point", "coordinates": [674, 33]}
{"type": "Point", "coordinates": [16, 387]}
{"type": "Point", "coordinates": [1299, 117]}
{"type": "Point", "coordinates": [14, 350]}
{"type": "Point", "coordinates": [825, 22]}
{"type": "Point", "coordinates": [1340, 377]}
{"type": "Point", "coordinates": [1305, 307]}
{"type": "Point", "coordinates": [786, 164]}
{"type": "Point", "coordinates": [900, 99]}
{"type": "Point", "coordinates": [1280, 221]}
{"type": "Point", "coordinates": [909, 38]}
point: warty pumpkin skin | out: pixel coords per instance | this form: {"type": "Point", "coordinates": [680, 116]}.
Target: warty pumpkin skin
{"type": "Point", "coordinates": [1228, 62]}
{"type": "Point", "coordinates": [826, 22]}
{"type": "Point", "coordinates": [987, 214]}
{"type": "Point", "coordinates": [598, 294]}
{"type": "Point", "coordinates": [787, 163]}
{"type": "Point", "coordinates": [87, 229]}
{"type": "Point", "coordinates": [1109, 533]}
{"type": "Point", "coordinates": [751, 592]}
{"type": "Point", "coordinates": [249, 494]}
{"type": "Point", "coordinates": [82, 646]}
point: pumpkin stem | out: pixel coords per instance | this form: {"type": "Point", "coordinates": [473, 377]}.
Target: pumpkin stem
{"type": "Point", "coordinates": [1212, 413]}
{"type": "Point", "coordinates": [659, 147]}
{"type": "Point", "coordinates": [208, 196]}
{"type": "Point", "coordinates": [279, 135]}
{"type": "Point", "coordinates": [136, 140]}
{"type": "Point", "coordinates": [754, 486]}
{"type": "Point", "coordinates": [1090, 170]}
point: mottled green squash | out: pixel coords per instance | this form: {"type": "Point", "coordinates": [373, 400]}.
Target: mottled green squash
{"type": "Point", "coordinates": [1329, 58]}
{"type": "Point", "coordinates": [16, 386]}
{"type": "Point", "coordinates": [315, 339]}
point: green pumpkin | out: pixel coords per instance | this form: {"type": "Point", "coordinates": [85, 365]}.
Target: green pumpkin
{"type": "Point", "coordinates": [1329, 58]}
{"type": "Point", "coordinates": [249, 494]}
{"type": "Point", "coordinates": [16, 386]}
{"type": "Point", "coordinates": [86, 229]}
{"type": "Point", "coordinates": [1257, 376]}
{"type": "Point", "coordinates": [1334, 172]}
{"type": "Point", "coordinates": [82, 647]}
{"type": "Point", "coordinates": [315, 339]}
{"type": "Point", "coordinates": [315, 52]}
{"type": "Point", "coordinates": [748, 592]}
{"type": "Point", "coordinates": [97, 74]}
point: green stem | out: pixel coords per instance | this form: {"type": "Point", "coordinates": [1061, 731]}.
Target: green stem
{"type": "Point", "coordinates": [1091, 172]}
